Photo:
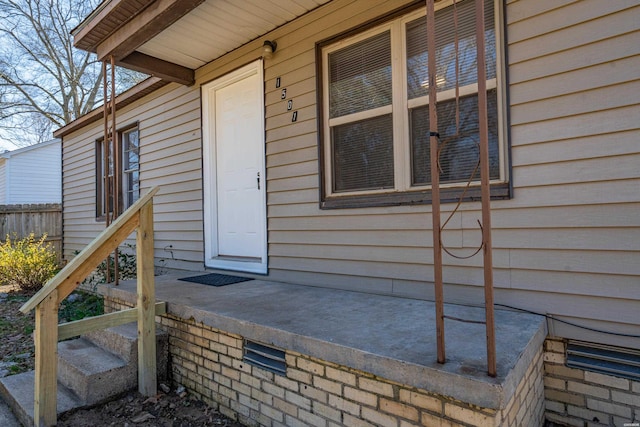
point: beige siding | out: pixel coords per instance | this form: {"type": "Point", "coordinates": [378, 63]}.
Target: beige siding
{"type": "Point", "coordinates": [566, 243]}
{"type": "Point", "coordinates": [574, 109]}
{"type": "Point", "coordinates": [170, 152]}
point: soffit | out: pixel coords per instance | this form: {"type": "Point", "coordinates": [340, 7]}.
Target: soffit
{"type": "Point", "coordinates": [203, 34]}
{"type": "Point", "coordinates": [207, 32]}
{"type": "Point", "coordinates": [218, 26]}
{"type": "Point", "coordinates": [107, 18]}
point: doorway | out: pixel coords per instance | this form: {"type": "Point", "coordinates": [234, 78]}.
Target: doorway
{"type": "Point", "coordinates": [234, 171]}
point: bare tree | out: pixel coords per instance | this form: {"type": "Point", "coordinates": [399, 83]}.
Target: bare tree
{"type": "Point", "coordinates": [45, 82]}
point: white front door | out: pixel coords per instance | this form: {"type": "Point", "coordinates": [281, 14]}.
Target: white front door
{"type": "Point", "coordinates": [234, 184]}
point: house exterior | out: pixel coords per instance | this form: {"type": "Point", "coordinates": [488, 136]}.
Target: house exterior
{"type": "Point", "coordinates": [31, 175]}
{"type": "Point", "coordinates": [335, 191]}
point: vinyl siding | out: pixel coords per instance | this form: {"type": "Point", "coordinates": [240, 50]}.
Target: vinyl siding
{"type": "Point", "coordinates": [32, 175]}
{"type": "Point", "coordinates": [3, 181]}
{"type": "Point", "coordinates": [170, 156]}
{"type": "Point", "coordinates": [567, 243]}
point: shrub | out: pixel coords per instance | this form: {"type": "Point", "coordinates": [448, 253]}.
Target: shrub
{"type": "Point", "coordinates": [127, 264]}
{"type": "Point", "coordinates": [126, 267]}
{"type": "Point", "coordinates": [27, 263]}
{"type": "Point", "coordinates": [79, 305]}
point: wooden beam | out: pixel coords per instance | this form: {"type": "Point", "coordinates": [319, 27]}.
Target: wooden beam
{"type": "Point", "coordinates": [75, 277]}
{"type": "Point", "coordinates": [83, 36]}
{"type": "Point", "coordinates": [46, 361]}
{"type": "Point", "coordinates": [104, 321]}
{"type": "Point", "coordinates": [105, 241]}
{"type": "Point", "coordinates": [160, 68]}
{"type": "Point", "coordinates": [147, 369]}
{"type": "Point", "coordinates": [144, 26]}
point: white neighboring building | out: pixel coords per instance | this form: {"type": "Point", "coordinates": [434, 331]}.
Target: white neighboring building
{"type": "Point", "coordinates": [31, 174]}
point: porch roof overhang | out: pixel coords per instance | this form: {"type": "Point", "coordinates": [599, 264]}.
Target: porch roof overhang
{"type": "Point", "coordinates": [170, 39]}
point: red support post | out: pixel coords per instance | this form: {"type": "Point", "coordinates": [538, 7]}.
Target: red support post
{"type": "Point", "coordinates": [435, 180]}
{"type": "Point", "coordinates": [485, 190]}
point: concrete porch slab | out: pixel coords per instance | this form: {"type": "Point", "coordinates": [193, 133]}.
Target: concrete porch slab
{"type": "Point", "coordinates": [391, 337]}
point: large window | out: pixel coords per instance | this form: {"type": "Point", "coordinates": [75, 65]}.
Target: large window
{"type": "Point", "coordinates": [375, 136]}
{"type": "Point", "coordinates": [127, 159]}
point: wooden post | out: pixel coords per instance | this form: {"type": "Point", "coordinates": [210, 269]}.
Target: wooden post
{"type": "Point", "coordinates": [147, 370]}
{"type": "Point", "coordinates": [46, 361]}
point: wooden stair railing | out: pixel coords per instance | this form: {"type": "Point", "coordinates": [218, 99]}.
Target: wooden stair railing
{"type": "Point", "coordinates": [47, 301]}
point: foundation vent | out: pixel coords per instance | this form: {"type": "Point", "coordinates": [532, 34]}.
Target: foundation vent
{"type": "Point", "coordinates": [617, 361]}
{"type": "Point", "coordinates": [265, 357]}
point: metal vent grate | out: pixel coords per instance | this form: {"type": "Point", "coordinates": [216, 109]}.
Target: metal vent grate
{"type": "Point", "coordinates": [265, 357]}
{"type": "Point", "coordinates": [617, 361]}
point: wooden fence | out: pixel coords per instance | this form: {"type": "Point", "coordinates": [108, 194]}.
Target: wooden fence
{"type": "Point", "coordinates": [21, 220]}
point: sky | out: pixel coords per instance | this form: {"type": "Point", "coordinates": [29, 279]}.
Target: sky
{"type": "Point", "coordinates": [5, 144]}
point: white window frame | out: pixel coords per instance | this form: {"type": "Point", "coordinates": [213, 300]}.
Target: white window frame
{"type": "Point", "coordinates": [127, 180]}
{"type": "Point", "coordinates": [401, 103]}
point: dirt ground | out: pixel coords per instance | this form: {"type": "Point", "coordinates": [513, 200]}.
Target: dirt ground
{"type": "Point", "coordinates": [173, 409]}
{"type": "Point", "coordinates": [170, 407]}
{"type": "Point", "coordinates": [16, 351]}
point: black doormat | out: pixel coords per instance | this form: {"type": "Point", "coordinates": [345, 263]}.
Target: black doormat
{"type": "Point", "coordinates": [215, 279]}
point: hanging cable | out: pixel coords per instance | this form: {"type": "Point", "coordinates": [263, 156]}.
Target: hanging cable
{"type": "Point", "coordinates": [566, 322]}
{"type": "Point", "coordinates": [460, 199]}
{"type": "Point", "coordinates": [545, 315]}
{"type": "Point", "coordinates": [456, 136]}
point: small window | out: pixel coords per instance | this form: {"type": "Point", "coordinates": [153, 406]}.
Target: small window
{"type": "Point", "coordinates": [375, 134]}
{"type": "Point", "coordinates": [127, 160]}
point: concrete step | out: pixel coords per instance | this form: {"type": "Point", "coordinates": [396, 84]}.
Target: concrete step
{"type": "Point", "coordinates": [7, 417]}
{"type": "Point", "coordinates": [104, 363]}
{"type": "Point", "coordinates": [93, 373]}
{"type": "Point", "coordinates": [123, 341]}
{"type": "Point", "coordinates": [91, 370]}
{"type": "Point", "coordinates": [18, 392]}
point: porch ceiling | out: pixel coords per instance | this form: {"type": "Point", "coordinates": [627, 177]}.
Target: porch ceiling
{"type": "Point", "coordinates": [171, 38]}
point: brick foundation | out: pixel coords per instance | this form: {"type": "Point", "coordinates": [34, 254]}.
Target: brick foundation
{"type": "Point", "coordinates": [581, 398]}
{"type": "Point", "coordinates": [209, 362]}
